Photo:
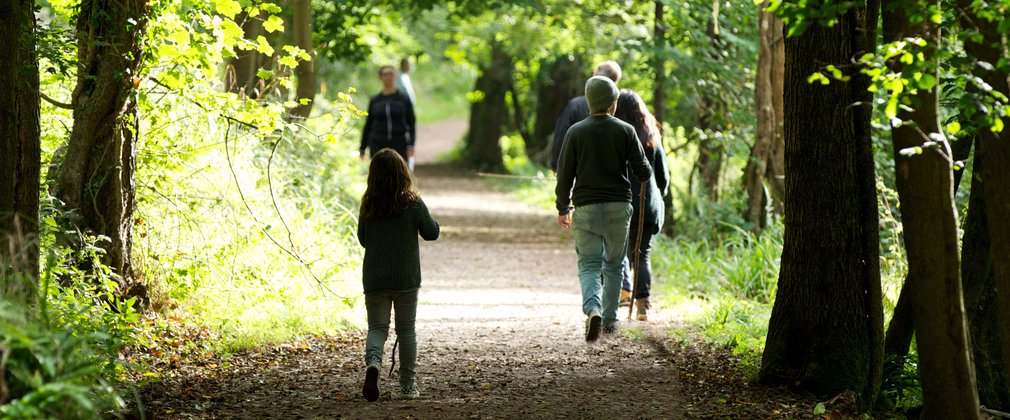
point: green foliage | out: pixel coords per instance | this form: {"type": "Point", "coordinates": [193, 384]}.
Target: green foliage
{"type": "Point", "coordinates": [536, 187]}
{"type": "Point", "coordinates": [61, 353]}
{"type": "Point", "coordinates": [901, 385]}
{"type": "Point", "coordinates": [245, 220]}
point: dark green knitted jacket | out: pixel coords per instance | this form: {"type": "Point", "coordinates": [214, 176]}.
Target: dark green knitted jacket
{"type": "Point", "coordinates": [392, 259]}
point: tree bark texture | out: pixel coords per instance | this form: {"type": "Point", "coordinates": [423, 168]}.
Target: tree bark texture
{"type": "Point", "coordinates": [981, 301]}
{"type": "Point", "coordinates": [659, 64]}
{"type": "Point", "coordinates": [925, 189]}
{"type": "Point", "coordinates": [902, 326]}
{"type": "Point", "coordinates": [487, 116]}
{"type": "Point", "coordinates": [659, 107]}
{"type": "Point", "coordinates": [826, 329]}
{"type": "Point", "coordinates": [763, 174]}
{"type": "Point", "coordinates": [96, 179]}
{"type": "Point", "coordinates": [20, 151]}
{"type": "Point", "coordinates": [305, 73]}
{"type": "Point", "coordinates": [240, 76]}
{"type": "Point", "coordinates": [993, 152]}
{"type": "Point", "coordinates": [711, 109]}
{"type": "Point", "coordinates": [560, 80]}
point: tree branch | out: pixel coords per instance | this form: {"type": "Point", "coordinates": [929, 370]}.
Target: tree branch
{"type": "Point", "coordinates": [55, 103]}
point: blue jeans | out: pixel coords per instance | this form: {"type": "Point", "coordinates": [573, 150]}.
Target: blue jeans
{"type": "Point", "coordinates": [378, 306]}
{"type": "Point", "coordinates": [601, 240]}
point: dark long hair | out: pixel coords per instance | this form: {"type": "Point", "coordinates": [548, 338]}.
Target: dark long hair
{"type": "Point", "coordinates": [632, 110]}
{"type": "Point", "coordinates": [390, 188]}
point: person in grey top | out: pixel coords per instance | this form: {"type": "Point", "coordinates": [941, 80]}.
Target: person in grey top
{"type": "Point", "coordinates": [392, 215]}
{"type": "Point", "coordinates": [593, 174]}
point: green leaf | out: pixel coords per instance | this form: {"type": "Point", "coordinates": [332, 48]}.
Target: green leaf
{"type": "Point", "coordinates": [263, 46]}
{"type": "Point", "coordinates": [927, 81]}
{"type": "Point", "coordinates": [953, 127]}
{"type": "Point", "coordinates": [273, 24]}
{"type": "Point", "coordinates": [1004, 26]}
{"type": "Point", "coordinates": [819, 409]}
{"type": "Point", "coordinates": [264, 74]}
{"type": "Point", "coordinates": [228, 8]}
{"type": "Point", "coordinates": [997, 125]}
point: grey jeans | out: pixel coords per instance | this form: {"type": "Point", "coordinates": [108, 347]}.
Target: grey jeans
{"type": "Point", "coordinates": [378, 306]}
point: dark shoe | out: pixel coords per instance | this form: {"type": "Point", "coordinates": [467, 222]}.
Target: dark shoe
{"type": "Point", "coordinates": [371, 389]}
{"type": "Point", "coordinates": [593, 326]}
{"type": "Point", "coordinates": [409, 392]}
{"type": "Point", "coordinates": [611, 329]}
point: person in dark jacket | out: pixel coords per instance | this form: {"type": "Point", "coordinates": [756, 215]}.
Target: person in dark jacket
{"type": "Point", "coordinates": [390, 122]}
{"type": "Point", "coordinates": [593, 174]}
{"type": "Point", "coordinates": [577, 110]}
{"type": "Point", "coordinates": [632, 110]}
{"type": "Point", "coordinates": [392, 215]}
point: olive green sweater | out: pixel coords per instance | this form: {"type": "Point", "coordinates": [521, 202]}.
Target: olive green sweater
{"type": "Point", "coordinates": [392, 258]}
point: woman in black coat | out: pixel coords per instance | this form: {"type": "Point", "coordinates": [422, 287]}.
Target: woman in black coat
{"type": "Point", "coordinates": [632, 110]}
{"type": "Point", "coordinates": [390, 122]}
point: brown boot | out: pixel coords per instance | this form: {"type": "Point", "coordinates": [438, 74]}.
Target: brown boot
{"type": "Point", "coordinates": [625, 298]}
{"type": "Point", "coordinates": [642, 304]}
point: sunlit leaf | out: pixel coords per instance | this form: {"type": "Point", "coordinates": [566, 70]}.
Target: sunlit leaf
{"type": "Point", "coordinates": [273, 24]}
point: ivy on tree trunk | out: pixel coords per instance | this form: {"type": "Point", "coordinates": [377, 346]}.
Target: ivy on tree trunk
{"type": "Point", "coordinates": [95, 181]}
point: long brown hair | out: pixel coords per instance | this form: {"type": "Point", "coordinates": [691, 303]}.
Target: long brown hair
{"type": "Point", "coordinates": [632, 110]}
{"type": "Point", "coordinates": [390, 187]}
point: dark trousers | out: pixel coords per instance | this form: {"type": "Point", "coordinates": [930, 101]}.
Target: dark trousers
{"type": "Point", "coordinates": [378, 143]}
{"type": "Point", "coordinates": [644, 283]}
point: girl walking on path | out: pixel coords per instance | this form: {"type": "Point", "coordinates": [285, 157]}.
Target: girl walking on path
{"type": "Point", "coordinates": [392, 215]}
{"type": "Point", "coordinates": [632, 110]}
{"type": "Point", "coordinates": [390, 122]}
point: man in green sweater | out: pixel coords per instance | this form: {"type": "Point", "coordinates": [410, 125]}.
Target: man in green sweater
{"type": "Point", "coordinates": [592, 174]}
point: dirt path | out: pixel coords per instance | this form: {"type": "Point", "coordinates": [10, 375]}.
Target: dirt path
{"type": "Point", "coordinates": [499, 327]}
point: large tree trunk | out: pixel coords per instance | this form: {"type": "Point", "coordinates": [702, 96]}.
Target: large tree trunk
{"type": "Point", "coordinates": [96, 179]}
{"type": "Point", "coordinates": [20, 151]}
{"type": "Point", "coordinates": [826, 329]}
{"type": "Point", "coordinates": [925, 188]}
{"type": "Point", "coordinates": [559, 81]}
{"type": "Point", "coordinates": [762, 170]}
{"type": "Point", "coordinates": [993, 152]}
{"type": "Point", "coordinates": [981, 301]}
{"type": "Point", "coordinates": [483, 143]}
{"type": "Point", "coordinates": [305, 73]}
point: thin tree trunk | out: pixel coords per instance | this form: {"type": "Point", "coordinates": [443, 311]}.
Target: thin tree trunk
{"type": "Point", "coordinates": [993, 151]}
{"type": "Point", "coordinates": [305, 73]}
{"type": "Point", "coordinates": [20, 150]}
{"type": "Point", "coordinates": [760, 171]}
{"type": "Point", "coordinates": [902, 326]}
{"type": "Point", "coordinates": [711, 109]}
{"type": "Point", "coordinates": [659, 66]}
{"type": "Point", "coordinates": [826, 330]}
{"type": "Point", "coordinates": [659, 107]}
{"type": "Point", "coordinates": [487, 117]}
{"type": "Point", "coordinates": [560, 80]}
{"type": "Point", "coordinates": [96, 179]}
{"type": "Point", "coordinates": [925, 188]}
{"type": "Point", "coordinates": [240, 75]}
